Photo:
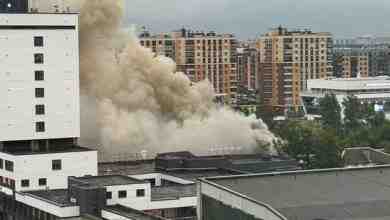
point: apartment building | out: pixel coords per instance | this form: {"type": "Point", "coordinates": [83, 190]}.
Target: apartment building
{"type": "Point", "coordinates": [40, 108]}
{"type": "Point", "coordinates": [200, 56]}
{"type": "Point", "coordinates": [287, 60]}
{"type": "Point", "coordinates": [248, 66]}
{"type": "Point", "coordinates": [350, 66]}
{"type": "Point", "coordinates": [377, 50]}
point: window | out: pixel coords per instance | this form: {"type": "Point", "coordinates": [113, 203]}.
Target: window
{"type": "Point", "coordinates": [40, 126]}
{"type": "Point", "coordinates": [38, 41]}
{"type": "Point", "coordinates": [25, 183]}
{"type": "Point", "coordinates": [40, 109]}
{"type": "Point", "coordinates": [108, 195]}
{"type": "Point", "coordinates": [39, 92]}
{"type": "Point", "coordinates": [56, 165]}
{"type": "Point", "coordinates": [122, 194]}
{"type": "Point", "coordinates": [9, 165]}
{"type": "Point", "coordinates": [140, 192]}
{"type": "Point", "coordinates": [39, 75]}
{"type": "Point", "coordinates": [38, 58]}
{"type": "Point", "coordinates": [42, 181]}
{"type": "Point", "coordinates": [1, 163]}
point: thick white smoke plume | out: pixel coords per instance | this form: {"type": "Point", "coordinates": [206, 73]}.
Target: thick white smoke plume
{"type": "Point", "coordinates": [133, 101]}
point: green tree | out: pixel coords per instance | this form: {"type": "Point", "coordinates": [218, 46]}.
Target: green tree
{"type": "Point", "coordinates": [308, 141]}
{"type": "Point", "coordinates": [330, 111]}
{"type": "Point", "coordinates": [352, 114]}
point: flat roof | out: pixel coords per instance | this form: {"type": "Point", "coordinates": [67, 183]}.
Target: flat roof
{"type": "Point", "coordinates": [109, 180]}
{"type": "Point", "coordinates": [173, 192]}
{"type": "Point", "coordinates": [130, 213]}
{"type": "Point", "coordinates": [342, 194]}
{"type": "Point", "coordinates": [347, 84]}
{"type": "Point", "coordinates": [58, 197]}
{"type": "Point", "coordinates": [72, 149]}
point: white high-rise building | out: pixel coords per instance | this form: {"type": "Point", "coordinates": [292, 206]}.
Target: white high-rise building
{"type": "Point", "coordinates": [40, 104]}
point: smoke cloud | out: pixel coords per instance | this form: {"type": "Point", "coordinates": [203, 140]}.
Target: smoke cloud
{"type": "Point", "coordinates": [133, 101]}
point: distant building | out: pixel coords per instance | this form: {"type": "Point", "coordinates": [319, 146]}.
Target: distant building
{"type": "Point", "coordinates": [350, 66]}
{"type": "Point", "coordinates": [371, 90]}
{"type": "Point", "coordinates": [200, 56]}
{"type": "Point", "coordinates": [377, 49]}
{"type": "Point", "coordinates": [248, 66]}
{"type": "Point", "coordinates": [343, 194]}
{"type": "Point", "coordinates": [287, 60]}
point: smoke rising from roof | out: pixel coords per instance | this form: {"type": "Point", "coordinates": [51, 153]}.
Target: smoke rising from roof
{"type": "Point", "coordinates": [133, 100]}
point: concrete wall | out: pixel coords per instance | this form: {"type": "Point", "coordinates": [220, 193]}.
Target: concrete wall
{"type": "Point", "coordinates": [48, 207]}
{"type": "Point", "coordinates": [17, 82]}
{"type": "Point", "coordinates": [158, 177]}
{"type": "Point", "coordinates": [33, 167]}
{"type": "Point", "coordinates": [131, 199]}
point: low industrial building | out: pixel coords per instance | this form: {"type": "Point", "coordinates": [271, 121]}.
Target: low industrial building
{"type": "Point", "coordinates": [331, 194]}
{"type": "Point", "coordinates": [371, 90]}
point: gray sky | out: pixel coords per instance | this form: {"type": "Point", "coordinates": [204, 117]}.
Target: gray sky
{"type": "Point", "coordinates": [249, 18]}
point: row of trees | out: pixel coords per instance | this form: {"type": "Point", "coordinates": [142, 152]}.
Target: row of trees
{"type": "Point", "coordinates": [320, 143]}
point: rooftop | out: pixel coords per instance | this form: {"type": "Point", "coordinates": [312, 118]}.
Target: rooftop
{"type": "Point", "coordinates": [342, 194]}
{"type": "Point", "coordinates": [190, 167]}
{"type": "Point", "coordinates": [58, 197]}
{"type": "Point", "coordinates": [109, 180]}
{"type": "Point", "coordinates": [365, 156]}
{"type": "Point", "coordinates": [130, 213]}
{"type": "Point", "coordinates": [367, 83]}
{"type": "Point", "coordinates": [173, 192]}
{"type": "Point", "coordinates": [57, 150]}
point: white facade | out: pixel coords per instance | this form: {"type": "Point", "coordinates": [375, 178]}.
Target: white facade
{"type": "Point", "coordinates": [17, 76]}
{"type": "Point", "coordinates": [49, 207]}
{"type": "Point", "coordinates": [131, 199]}
{"type": "Point", "coordinates": [373, 90]}
{"type": "Point", "coordinates": [35, 167]}
{"type": "Point", "coordinates": [145, 202]}
{"type": "Point", "coordinates": [357, 85]}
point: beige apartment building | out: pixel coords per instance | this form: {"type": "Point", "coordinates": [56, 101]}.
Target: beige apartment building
{"type": "Point", "coordinates": [351, 66]}
{"type": "Point", "coordinates": [287, 60]}
{"type": "Point", "coordinates": [200, 56]}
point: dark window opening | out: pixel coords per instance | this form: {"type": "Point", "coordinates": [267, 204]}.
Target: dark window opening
{"type": "Point", "coordinates": [9, 165]}
{"type": "Point", "coordinates": [38, 41]}
{"type": "Point", "coordinates": [40, 126]}
{"type": "Point", "coordinates": [122, 194]}
{"type": "Point", "coordinates": [25, 183]}
{"type": "Point", "coordinates": [1, 163]}
{"type": "Point", "coordinates": [39, 75]}
{"type": "Point", "coordinates": [56, 165]}
{"type": "Point", "coordinates": [42, 181]}
{"type": "Point", "coordinates": [39, 92]}
{"type": "Point", "coordinates": [140, 192]}
{"type": "Point", "coordinates": [38, 58]}
{"type": "Point", "coordinates": [40, 109]}
{"type": "Point", "coordinates": [108, 195]}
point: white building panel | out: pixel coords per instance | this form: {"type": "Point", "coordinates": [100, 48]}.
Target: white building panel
{"type": "Point", "coordinates": [36, 166]}
{"type": "Point", "coordinates": [17, 77]}
{"type": "Point", "coordinates": [49, 207]}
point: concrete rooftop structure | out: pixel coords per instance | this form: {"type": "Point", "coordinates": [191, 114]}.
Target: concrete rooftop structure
{"type": "Point", "coordinates": [333, 194]}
